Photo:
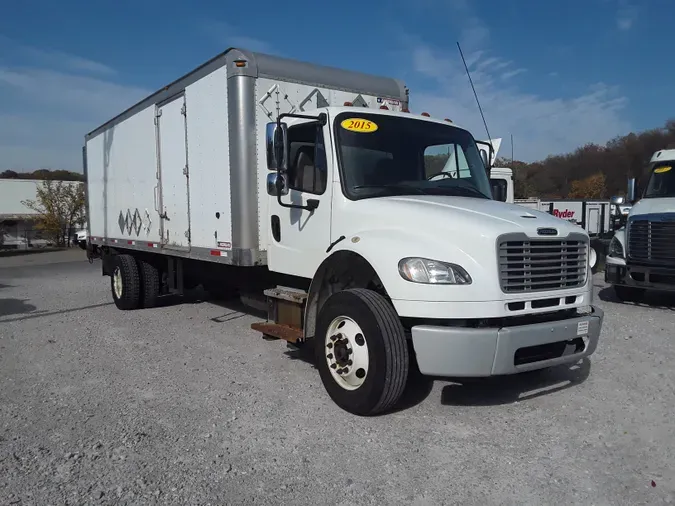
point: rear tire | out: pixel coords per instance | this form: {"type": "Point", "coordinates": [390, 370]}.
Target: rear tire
{"type": "Point", "coordinates": [361, 352]}
{"type": "Point", "coordinates": [150, 283]}
{"type": "Point", "coordinates": [629, 293]}
{"type": "Point", "coordinates": [125, 282]}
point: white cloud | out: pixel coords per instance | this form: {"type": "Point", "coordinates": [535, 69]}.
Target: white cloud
{"type": "Point", "coordinates": [45, 112]}
{"type": "Point", "coordinates": [541, 125]}
{"type": "Point", "coordinates": [52, 58]}
{"type": "Point", "coordinates": [229, 35]}
{"type": "Point", "coordinates": [626, 15]}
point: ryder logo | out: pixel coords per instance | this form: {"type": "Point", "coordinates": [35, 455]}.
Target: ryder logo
{"type": "Point", "coordinates": [566, 214]}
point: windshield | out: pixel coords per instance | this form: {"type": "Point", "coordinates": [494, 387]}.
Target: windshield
{"type": "Point", "coordinates": [662, 181]}
{"type": "Point", "coordinates": [389, 155]}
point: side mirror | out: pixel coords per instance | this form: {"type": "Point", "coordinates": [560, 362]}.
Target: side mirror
{"type": "Point", "coordinates": [276, 184]}
{"type": "Point", "coordinates": [486, 160]}
{"type": "Point", "coordinates": [616, 200]}
{"type": "Point", "coordinates": [277, 142]}
{"type": "Point", "coordinates": [498, 190]}
{"type": "Point", "coordinates": [486, 155]}
{"type": "Point", "coordinates": [630, 195]}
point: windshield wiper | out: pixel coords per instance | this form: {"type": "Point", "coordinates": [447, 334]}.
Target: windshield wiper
{"type": "Point", "coordinates": [470, 190]}
{"type": "Point", "coordinates": [399, 187]}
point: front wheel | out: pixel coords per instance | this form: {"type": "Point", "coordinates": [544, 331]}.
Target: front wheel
{"type": "Point", "coordinates": [361, 352]}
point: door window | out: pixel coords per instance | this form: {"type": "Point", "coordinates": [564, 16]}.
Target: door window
{"type": "Point", "coordinates": [307, 170]}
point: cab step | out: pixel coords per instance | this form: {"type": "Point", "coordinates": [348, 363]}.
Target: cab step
{"type": "Point", "coordinates": [285, 314]}
{"type": "Point", "coordinates": [278, 331]}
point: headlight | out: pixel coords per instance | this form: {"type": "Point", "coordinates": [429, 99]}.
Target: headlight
{"type": "Point", "coordinates": [615, 248]}
{"type": "Point", "coordinates": [423, 270]}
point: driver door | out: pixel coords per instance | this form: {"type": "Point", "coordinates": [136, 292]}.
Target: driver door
{"type": "Point", "coordinates": [298, 238]}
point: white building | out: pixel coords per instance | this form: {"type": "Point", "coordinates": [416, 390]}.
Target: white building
{"type": "Point", "coordinates": [17, 222]}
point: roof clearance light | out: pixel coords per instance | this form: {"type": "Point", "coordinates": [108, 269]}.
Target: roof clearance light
{"type": "Point", "coordinates": [240, 63]}
{"type": "Point", "coordinates": [348, 104]}
{"type": "Point", "coordinates": [384, 107]}
{"type": "Point", "coordinates": [405, 109]}
{"type": "Point", "coordinates": [448, 120]}
{"type": "Point", "coordinates": [426, 114]}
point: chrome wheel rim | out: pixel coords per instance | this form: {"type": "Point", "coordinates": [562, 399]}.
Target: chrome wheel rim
{"type": "Point", "coordinates": [117, 282]}
{"type": "Point", "coordinates": [346, 353]}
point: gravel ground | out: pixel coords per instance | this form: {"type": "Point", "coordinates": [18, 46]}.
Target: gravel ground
{"type": "Point", "coordinates": [186, 405]}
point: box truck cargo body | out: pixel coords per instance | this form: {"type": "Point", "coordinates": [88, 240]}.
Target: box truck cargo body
{"type": "Point", "coordinates": [184, 169]}
{"type": "Point", "coordinates": [369, 233]}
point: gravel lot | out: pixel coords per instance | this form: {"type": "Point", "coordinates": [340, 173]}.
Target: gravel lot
{"type": "Point", "coordinates": [187, 405]}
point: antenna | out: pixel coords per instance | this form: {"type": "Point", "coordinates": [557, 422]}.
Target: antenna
{"type": "Point", "coordinates": [511, 150]}
{"type": "Point", "coordinates": [474, 92]}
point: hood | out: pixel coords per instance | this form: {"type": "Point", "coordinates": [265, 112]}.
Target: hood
{"type": "Point", "coordinates": [653, 206]}
{"type": "Point", "coordinates": [464, 214]}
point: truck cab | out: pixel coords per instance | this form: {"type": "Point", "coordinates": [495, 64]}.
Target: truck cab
{"type": "Point", "coordinates": [642, 254]}
{"type": "Point", "coordinates": [392, 217]}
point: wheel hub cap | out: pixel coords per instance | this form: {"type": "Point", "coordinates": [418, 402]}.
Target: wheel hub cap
{"type": "Point", "coordinates": [117, 282]}
{"type": "Point", "coordinates": [346, 353]}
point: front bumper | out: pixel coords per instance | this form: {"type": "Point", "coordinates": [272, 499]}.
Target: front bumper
{"type": "Point", "coordinates": [480, 352]}
{"type": "Point", "coordinates": [639, 276]}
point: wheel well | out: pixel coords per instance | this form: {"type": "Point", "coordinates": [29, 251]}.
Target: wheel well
{"type": "Point", "coordinates": [340, 271]}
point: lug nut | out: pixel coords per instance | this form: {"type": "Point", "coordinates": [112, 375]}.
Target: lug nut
{"type": "Point", "coordinates": [349, 362]}
{"type": "Point", "coordinates": [349, 351]}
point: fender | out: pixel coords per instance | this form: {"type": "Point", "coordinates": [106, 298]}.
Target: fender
{"type": "Point", "coordinates": [371, 258]}
{"type": "Point", "coordinates": [384, 248]}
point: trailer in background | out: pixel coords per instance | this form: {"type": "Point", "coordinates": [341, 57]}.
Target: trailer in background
{"type": "Point", "coordinates": [594, 216]}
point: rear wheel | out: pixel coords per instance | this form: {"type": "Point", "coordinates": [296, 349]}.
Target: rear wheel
{"type": "Point", "coordinates": [629, 293]}
{"type": "Point", "coordinates": [361, 352]}
{"type": "Point", "coordinates": [150, 283]}
{"type": "Point", "coordinates": [125, 282]}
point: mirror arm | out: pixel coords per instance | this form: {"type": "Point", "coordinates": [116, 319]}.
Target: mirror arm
{"type": "Point", "coordinates": [312, 204]}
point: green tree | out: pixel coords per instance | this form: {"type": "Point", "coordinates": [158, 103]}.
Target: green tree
{"type": "Point", "coordinates": [60, 205]}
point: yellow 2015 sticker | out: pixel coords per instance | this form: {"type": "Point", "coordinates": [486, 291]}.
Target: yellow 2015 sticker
{"type": "Point", "coordinates": [661, 170]}
{"type": "Point", "coordinates": [359, 125]}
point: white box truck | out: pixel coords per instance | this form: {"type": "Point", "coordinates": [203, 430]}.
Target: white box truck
{"type": "Point", "coordinates": [315, 188]}
{"type": "Point", "coordinates": [642, 254]}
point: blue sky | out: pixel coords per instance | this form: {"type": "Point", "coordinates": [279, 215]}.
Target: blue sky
{"type": "Point", "coordinates": [555, 75]}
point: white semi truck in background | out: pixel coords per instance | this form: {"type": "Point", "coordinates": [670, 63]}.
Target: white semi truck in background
{"type": "Point", "coordinates": [642, 254]}
{"type": "Point", "coordinates": [315, 189]}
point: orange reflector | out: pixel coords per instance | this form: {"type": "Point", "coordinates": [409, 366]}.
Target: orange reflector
{"type": "Point", "coordinates": [240, 63]}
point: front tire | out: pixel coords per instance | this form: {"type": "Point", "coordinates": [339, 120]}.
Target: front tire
{"type": "Point", "coordinates": [125, 282]}
{"type": "Point", "coordinates": [361, 352]}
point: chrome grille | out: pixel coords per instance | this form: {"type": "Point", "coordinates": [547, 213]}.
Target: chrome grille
{"type": "Point", "coordinates": [533, 265]}
{"type": "Point", "coordinates": [651, 241]}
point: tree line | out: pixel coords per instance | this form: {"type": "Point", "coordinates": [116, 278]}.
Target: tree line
{"type": "Point", "coordinates": [591, 171]}
{"type": "Point", "coordinates": [43, 174]}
